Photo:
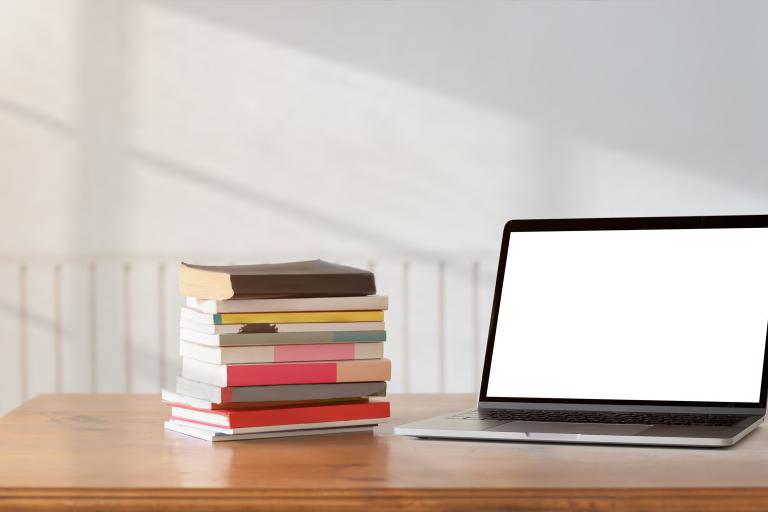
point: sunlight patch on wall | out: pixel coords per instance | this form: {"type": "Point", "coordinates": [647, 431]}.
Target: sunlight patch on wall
{"type": "Point", "coordinates": [366, 152]}
{"type": "Point", "coordinates": [415, 169]}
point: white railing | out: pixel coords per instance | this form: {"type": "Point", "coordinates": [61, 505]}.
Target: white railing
{"type": "Point", "coordinates": [109, 323]}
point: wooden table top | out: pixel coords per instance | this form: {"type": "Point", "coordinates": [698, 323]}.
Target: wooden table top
{"type": "Point", "coordinates": [111, 451]}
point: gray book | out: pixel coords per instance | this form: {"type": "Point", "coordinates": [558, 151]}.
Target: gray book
{"type": "Point", "coordinates": [217, 395]}
{"type": "Point", "coordinates": [282, 338]}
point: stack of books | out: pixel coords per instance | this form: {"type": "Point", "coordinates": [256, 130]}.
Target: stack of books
{"type": "Point", "coordinates": [279, 350]}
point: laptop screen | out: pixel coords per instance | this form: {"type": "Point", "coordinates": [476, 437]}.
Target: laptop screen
{"type": "Point", "coordinates": [653, 315]}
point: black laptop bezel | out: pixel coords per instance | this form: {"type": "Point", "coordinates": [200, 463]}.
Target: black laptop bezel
{"type": "Point", "coordinates": [610, 224]}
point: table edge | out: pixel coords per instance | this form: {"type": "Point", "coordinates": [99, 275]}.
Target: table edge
{"type": "Point", "coordinates": [135, 499]}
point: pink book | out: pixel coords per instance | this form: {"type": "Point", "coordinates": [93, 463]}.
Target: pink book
{"type": "Point", "coordinates": [292, 415]}
{"type": "Point", "coordinates": [269, 374]}
{"type": "Point", "coordinates": [281, 353]}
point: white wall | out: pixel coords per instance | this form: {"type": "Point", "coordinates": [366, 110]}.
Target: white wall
{"type": "Point", "coordinates": [367, 130]}
{"type": "Point", "coordinates": [369, 126]}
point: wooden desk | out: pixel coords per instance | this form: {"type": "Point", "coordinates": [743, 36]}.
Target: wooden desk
{"type": "Point", "coordinates": [110, 452]}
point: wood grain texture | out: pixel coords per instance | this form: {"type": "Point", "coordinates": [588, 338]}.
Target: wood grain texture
{"type": "Point", "coordinates": [90, 452]}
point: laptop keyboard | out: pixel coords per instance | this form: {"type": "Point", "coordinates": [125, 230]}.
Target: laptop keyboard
{"type": "Point", "coordinates": [642, 418]}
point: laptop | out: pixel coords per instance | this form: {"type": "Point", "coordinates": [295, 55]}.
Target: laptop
{"type": "Point", "coordinates": [644, 331]}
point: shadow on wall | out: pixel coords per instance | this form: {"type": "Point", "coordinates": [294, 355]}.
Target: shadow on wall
{"type": "Point", "coordinates": [677, 82]}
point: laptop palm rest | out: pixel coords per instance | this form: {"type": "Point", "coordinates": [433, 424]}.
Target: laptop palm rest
{"type": "Point", "coordinates": [550, 430]}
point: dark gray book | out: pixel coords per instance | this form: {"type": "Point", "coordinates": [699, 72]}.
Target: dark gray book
{"type": "Point", "coordinates": [316, 278]}
{"type": "Point", "coordinates": [217, 395]}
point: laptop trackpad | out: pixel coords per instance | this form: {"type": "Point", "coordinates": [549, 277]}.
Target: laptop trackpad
{"type": "Point", "coordinates": [531, 428]}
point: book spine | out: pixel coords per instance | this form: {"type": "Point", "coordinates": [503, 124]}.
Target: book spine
{"type": "Point", "coordinates": [360, 336]}
{"type": "Point", "coordinates": [284, 373]}
{"type": "Point", "coordinates": [282, 353]}
{"type": "Point", "coordinates": [302, 285]}
{"type": "Point", "coordinates": [327, 352]}
{"type": "Point", "coordinates": [282, 338]}
{"type": "Point", "coordinates": [299, 415]}
{"type": "Point", "coordinates": [202, 405]}
{"type": "Point", "coordinates": [298, 317]}
{"type": "Point", "coordinates": [308, 373]}
{"type": "Point", "coordinates": [299, 392]}
{"type": "Point", "coordinates": [373, 302]}
{"type": "Point", "coordinates": [279, 338]}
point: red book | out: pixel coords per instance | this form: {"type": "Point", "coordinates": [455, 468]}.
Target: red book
{"type": "Point", "coordinates": [271, 374]}
{"type": "Point", "coordinates": [240, 418]}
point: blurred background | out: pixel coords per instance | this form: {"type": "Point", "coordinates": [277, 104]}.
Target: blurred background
{"type": "Point", "coordinates": [397, 136]}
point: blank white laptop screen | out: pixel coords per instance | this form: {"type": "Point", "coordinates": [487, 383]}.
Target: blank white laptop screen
{"type": "Point", "coordinates": [652, 315]}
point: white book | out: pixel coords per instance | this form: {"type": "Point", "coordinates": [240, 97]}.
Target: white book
{"type": "Point", "coordinates": [207, 435]}
{"type": "Point", "coordinates": [171, 397]}
{"type": "Point", "coordinates": [278, 428]}
{"type": "Point", "coordinates": [362, 303]}
{"type": "Point", "coordinates": [281, 353]}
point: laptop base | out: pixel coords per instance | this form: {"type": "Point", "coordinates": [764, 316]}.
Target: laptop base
{"type": "Point", "coordinates": [445, 427]}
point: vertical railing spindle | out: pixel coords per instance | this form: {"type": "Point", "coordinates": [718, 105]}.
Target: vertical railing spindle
{"type": "Point", "coordinates": [477, 348]}
{"type": "Point", "coordinates": [406, 352]}
{"type": "Point", "coordinates": [441, 359]}
{"type": "Point", "coordinates": [92, 341]}
{"type": "Point", "coordinates": [23, 332]}
{"type": "Point", "coordinates": [57, 330]}
{"type": "Point", "coordinates": [161, 320]}
{"type": "Point", "coordinates": [127, 334]}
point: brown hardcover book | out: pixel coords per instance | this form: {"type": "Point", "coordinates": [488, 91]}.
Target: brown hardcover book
{"type": "Point", "coordinates": [316, 278]}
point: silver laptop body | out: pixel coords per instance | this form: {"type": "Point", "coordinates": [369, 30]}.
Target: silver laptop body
{"type": "Point", "coordinates": [623, 331]}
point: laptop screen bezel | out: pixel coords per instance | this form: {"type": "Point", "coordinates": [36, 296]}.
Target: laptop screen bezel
{"type": "Point", "coordinates": [610, 224]}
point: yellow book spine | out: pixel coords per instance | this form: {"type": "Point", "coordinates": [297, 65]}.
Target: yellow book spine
{"type": "Point", "coordinates": [299, 317]}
